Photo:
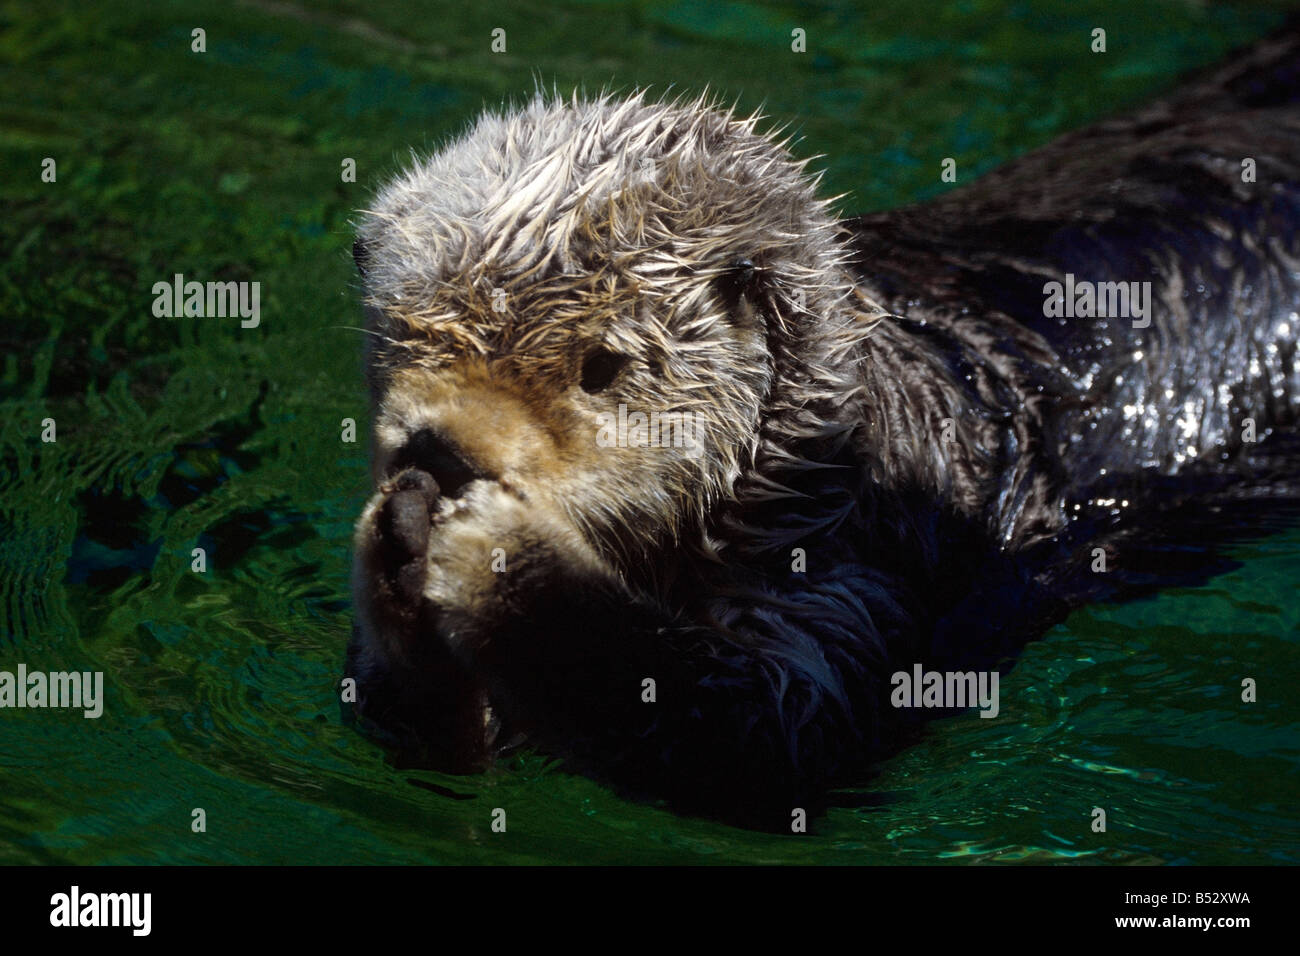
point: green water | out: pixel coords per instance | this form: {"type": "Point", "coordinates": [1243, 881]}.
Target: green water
{"type": "Point", "coordinates": [181, 433]}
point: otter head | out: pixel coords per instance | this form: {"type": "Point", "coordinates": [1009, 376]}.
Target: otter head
{"type": "Point", "coordinates": [581, 316]}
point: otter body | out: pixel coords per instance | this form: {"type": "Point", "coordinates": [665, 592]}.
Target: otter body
{"type": "Point", "coordinates": [889, 441]}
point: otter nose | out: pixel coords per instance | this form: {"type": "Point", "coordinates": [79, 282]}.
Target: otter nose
{"type": "Point", "coordinates": [431, 452]}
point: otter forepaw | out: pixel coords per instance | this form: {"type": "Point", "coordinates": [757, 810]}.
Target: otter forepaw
{"type": "Point", "coordinates": [490, 552]}
{"type": "Point", "coordinates": [403, 524]}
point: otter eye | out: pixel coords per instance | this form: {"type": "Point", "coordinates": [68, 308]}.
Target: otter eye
{"type": "Point", "coordinates": [599, 369]}
{"type": "Point", "coordinates": [737, 280]}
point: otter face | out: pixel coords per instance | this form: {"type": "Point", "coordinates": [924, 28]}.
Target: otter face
{"type": "Point", "coordinates": [576, 314]}
{"type": "Point", "coordinates": [586, 403]}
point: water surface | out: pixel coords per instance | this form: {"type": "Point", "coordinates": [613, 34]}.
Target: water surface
{"type": "Point", "coordinates": [181, 433]}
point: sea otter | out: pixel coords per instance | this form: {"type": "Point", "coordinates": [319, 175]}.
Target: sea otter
{"type": "Point", "coordinates": [674, 470]}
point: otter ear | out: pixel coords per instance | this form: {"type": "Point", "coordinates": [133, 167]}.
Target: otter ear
{"type": "Point", "coordinates": [361, 256]}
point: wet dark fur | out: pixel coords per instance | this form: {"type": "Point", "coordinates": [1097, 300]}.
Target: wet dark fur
{"type": "Point", "coordinates": [743, 651]}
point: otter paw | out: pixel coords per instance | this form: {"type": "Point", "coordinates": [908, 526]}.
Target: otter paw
{"type": "Point", "coordinates": [489, 550]}
{"type": "Point", "coordinates": [404, 522]}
